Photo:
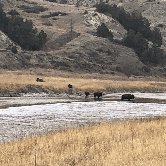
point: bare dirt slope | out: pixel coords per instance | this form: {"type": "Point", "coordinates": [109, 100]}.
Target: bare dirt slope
{"type": "Point", "coordinates": [79, 51]}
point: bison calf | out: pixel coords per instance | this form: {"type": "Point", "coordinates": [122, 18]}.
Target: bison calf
{"type": "Point", "coordinates": [97, 94]}
{"type": "Point", "coordinates": [127, 97]}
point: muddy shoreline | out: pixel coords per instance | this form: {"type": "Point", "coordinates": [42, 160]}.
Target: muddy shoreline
{"type": "Point", "coordinates": [28, 99]}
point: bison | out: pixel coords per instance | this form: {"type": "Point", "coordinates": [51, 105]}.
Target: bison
{"type": "Point", "coordinates": [127, 97]}
{"type": "Point", "coordinates": [40, 80]}
{"type": "Point", "coordinates": [87, 94]}
{"type": "Point", "coordinates": [97, 94]}
{"type": "Point", "coordinates": [70, 86]}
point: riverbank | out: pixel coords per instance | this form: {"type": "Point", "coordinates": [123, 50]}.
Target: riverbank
{"type": "Point", "coordinates": [29, 99]}
{"type": "Point", "coordinates": [139, 142]}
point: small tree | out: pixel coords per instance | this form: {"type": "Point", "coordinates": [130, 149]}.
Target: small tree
{"type": "Point", "coordinates": [24, 33]}
{"type": "Point", "coordinates": [103, 31]}
{"type": "Point", "coordinates": [136, 41]}
{"type": "Point", "coordinates": [3, 20]}
{"type": "Point", "coordinates": [13, 13]}
{"type": "Point", "coordinates": [42, 38]}
{"type": "Point", "coordinates": [140, 44]}
{"type": "Point", "coordinates": [156, 37]}
{"type": "Point", "coordinates": [153, 55]}
{"type": "Point", "coordinates": [14, 49]}
{"type": "Point", "coordinates": [128, 40]}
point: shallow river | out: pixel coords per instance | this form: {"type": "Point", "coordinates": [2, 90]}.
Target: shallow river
{"type": "Point", "coordinates": [41, 113]}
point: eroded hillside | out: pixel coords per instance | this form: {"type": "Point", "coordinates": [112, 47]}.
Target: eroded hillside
{"type": "Point", "coordinates": [72, 44]}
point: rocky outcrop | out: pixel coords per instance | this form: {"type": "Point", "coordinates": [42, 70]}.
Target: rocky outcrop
{"type": "Point", "coordinates": [95, 19]}
{"type": "Point", "coordinates": [6, 43]}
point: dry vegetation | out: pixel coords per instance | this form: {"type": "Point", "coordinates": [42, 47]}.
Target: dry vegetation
{"type": "Point", "coordinates": [120, 143]}
{"type": "Point", "coordinates": [57, 81]}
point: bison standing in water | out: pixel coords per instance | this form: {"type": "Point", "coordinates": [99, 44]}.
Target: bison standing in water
{"type": "Point", "coordinates": [87, 94]}
{"type": "Point", "coordinates": [127, 97]}
{"type": "Point", "coordinates": [97, 94]}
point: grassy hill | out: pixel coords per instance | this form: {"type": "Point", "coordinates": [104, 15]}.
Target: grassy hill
{"type": "Point", "coordinates": [73, 50]}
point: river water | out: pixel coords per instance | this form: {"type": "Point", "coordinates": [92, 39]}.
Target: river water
{"type": "Point", "coordinates": [33, 114]}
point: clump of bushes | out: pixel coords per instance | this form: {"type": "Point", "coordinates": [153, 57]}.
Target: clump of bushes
{"type": "Point", "coordinates": [22, 32]}
{"type": "Point", "coordinates": [139, 33]}
{"type": "Point", "coordinates": [13, 13]}
{"type": "Point", "coordinates": [47, 24]}
{"type": "Point", "coordinates": [1, 4]}
{"type": "Point", "coordinates": [61, 1]}
{"type": "Point", "coordinates": [35, 9]}
{"type": "Point", "coordinates": [52, 14]}
{"type": "Point", "coordinates": [86, 12]}
{"type": "Point", "coordinates": [146, 54]}
{"type": "Point", "coordinates": [52, 0]}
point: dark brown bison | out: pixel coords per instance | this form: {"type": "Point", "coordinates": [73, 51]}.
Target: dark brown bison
{"type": "Point", "coordinates": [127, 97]}
{"type": "Point", "coordinates": [97, 94]}
{"type": "Point", "coordinates": [87, 94]}
{"type": "Point", "coordinates": [70, 86]}
{"type": "Point", "coordinates": [40, 80]}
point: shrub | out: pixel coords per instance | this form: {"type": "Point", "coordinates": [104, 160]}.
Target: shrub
{"type": "Point", "coordinates": [47, 24]}
{"type": "Point", "coordinates": [146, 69]}
{"type": "Point", "coordinates": [85, 12]}
{"type": "Point", "coordinates": [103, 31]}
{"type": "Point", "coordinates": [54, 14]}
{"type": "Point", "coordinates": [160, 25]}
{"type": "Point", "coordinates": [35, 9]}
{"type": "Point", "coordinates": [128, 40]}
{"type": "Point", "coordinates": [14, 49]}
{"type": "Point", "coordinates": [140, 43]}
{"type": "Point", "coordinates": [139, 33]}
{"type": "Point", "coordinates": [32, 11]}
{"type": "Point", "coordinates": [136, 41]}
{"type": "Point", "coordinates": [63, 1]}
{"type": "Point", "coordinates": [134, 21]}
{"type": "Point", "coordinates": [22, 32]}
{"type": "Point", "coordinates": [52, 0]}
{"type": "Point", "coordinates": [1, 5]}
{"type": "Point", "coordinates": [156, 37]}
{"type": "Point", "coordinates": [13, 13]}
{"type": "Point", "coordinates": [3, 20]}
{"type": "Point", "coordinates": [153, 55]}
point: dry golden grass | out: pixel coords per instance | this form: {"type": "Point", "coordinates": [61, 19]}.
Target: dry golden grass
{"type": "Point", "coordinates": [121, 143]}
{"type": "Point", "coordinates": [56, 81]}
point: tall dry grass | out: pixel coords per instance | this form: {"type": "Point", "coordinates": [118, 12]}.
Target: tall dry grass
{"type": "Point", "coordinates": [121, 143]}
{"type": "Point", "coordinates": [18, 81]}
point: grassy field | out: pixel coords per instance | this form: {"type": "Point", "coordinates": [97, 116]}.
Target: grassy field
{"type": "Point", "coordinates": [57, 81]}
{"type": "Point", "coordinates": [139, 142]}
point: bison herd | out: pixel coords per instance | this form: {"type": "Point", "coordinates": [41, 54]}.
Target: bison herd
{"type": "Point", "coordinates": [123, 97]}
{"type": "Point", "coordinates": [97, 95]}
